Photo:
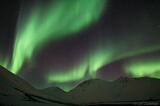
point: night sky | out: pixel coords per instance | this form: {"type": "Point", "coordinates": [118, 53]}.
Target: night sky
{"type": "Point", "coordinates": [121, 39]}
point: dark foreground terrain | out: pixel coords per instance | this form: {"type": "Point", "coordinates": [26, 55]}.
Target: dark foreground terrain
{"type": "Point", "coordinates": [14, 91]}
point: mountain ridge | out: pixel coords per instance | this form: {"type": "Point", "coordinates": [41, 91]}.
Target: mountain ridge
{"type": "Point", "coordinates": [90, 92]}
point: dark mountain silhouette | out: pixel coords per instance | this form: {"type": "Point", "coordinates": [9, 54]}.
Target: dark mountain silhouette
{"type": "Point", "coordinates": [17, 92]}
{"type": "Point", "coordinates": [54, 91]}
{"type": "Point", "coordinates": [121, 90]}
{"type": "Point", "coordinates": [14, 91]}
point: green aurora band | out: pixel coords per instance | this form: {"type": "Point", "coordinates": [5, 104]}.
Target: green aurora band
{"type": "Point", "coordinates": [143, 67]}
{"type": "Point", "coordinates": [61, 19]}
{"type": "Point", "coordinates": [101, 55]}
{"type": "Point", "coordinates": [76, 73]}
{"type": "Point", "coordinates": [87, 67]}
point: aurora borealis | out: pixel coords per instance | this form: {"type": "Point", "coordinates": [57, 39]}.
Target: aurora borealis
{"type": "Point", "coordinates": [141, 68]}
{"type": "Point", "coordinates": [59, 20]}
{"type": "Point", "coordinates": [63, 42]}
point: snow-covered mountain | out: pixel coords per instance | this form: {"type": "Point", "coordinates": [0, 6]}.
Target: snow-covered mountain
{"type": "Point", "coordinates": [17, 92]}
{"type": "Point", "coordinates": [120, 90]}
